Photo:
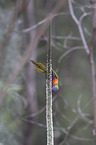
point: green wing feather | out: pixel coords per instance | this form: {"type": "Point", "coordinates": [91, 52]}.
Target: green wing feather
{"type": "Point", "coordinates": [55, 73]}
{"type": "Point", "coordinates": [39, 67]}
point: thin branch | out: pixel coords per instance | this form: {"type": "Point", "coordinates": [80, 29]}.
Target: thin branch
{"type": "Point", "coordinates": [83, 116]}
{"type": "Point", "coordinates": [87, 32]}
{"type": "Point", "coordinates": [61, 114]}
{"type": "Point", "coordinates": [83, 16]}
{"type": "Point", "coordinates": [72, 136]}
{"type": "Point", "coordinates": [61, 129]}
{"type": "Point", "coordinates": [79, 26]}
{"type": "Point", "coordinates": [34, 122]}
{"type": "Point", "coordinates": [70, 50]}
{"type": "Point", "coordinates": [39, 23]}
{"type": "Point", "coordinates": [46, 20]}
{"type": "Point", "coordinates": [66, 37]}
{"type": "Point", "coordinates": [40, 111]}
{"type": "Point", "coordinates": [67, 131]}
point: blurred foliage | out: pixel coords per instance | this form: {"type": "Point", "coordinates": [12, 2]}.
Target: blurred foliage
{"type": "Point", "coordinates": [10, 113]}
{"type": "Point", "coordinates": [72, 102]}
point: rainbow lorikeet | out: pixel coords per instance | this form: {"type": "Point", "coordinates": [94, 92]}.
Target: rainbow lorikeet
{"type": "Point", "coordinates": [43, 69]}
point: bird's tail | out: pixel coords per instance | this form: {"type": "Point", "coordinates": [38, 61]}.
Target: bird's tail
{"type": "Point", "coordinates": [39, 67]}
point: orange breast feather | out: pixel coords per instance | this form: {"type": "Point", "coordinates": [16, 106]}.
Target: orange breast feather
{"type": "Point", "coordinates": [54, 81]}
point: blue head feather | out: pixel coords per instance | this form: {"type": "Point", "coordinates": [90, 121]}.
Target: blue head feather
{"type": "Point", "coordinates": [54, 88]}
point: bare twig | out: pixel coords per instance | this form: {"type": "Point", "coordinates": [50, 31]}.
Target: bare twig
{"type": "Point", "coordinates": [66, 37]}
{"type": "Point", "coordinates": [83, 116]}
{"type": "Point", "coordinates": [79, 26]}
{"type": "Point", "coordinates": [40, 111]}
{"type": "Point", "coordinates": [39, 23]}
{"type": "Point", "coordinates": [34, 122]}
{"type": "Point", "coordinates": [60, 128]}
{"type": "Point", "coordinates": [43, 21]}
{"type": "Point", "coordinates": [83, 16]}
{"type": "Point", "coordinates": [68, 51]}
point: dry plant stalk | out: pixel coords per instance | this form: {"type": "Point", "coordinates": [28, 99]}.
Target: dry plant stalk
{"type": "Point", "coordinates": [49, 116]}
{"type": "Point", "coordinates": [92, 47]}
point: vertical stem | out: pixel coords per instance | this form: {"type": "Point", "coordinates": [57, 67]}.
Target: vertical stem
{"type": "Point", "coordinates": [49, 116]}
{"type": "Point", "coordinates": [93, 87]}
{"type": "Point", "coordinates": [92, 46]}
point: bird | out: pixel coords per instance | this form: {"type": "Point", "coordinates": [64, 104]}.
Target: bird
{"type": "Point", "coordinates": [43, 69]}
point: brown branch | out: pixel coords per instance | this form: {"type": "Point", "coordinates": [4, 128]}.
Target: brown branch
{"type": "Point", "coordinates": [92, 47]}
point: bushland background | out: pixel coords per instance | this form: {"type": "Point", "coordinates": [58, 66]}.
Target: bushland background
{"type": "Point", "coordinates": [22, 88]}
